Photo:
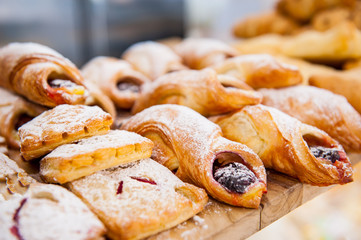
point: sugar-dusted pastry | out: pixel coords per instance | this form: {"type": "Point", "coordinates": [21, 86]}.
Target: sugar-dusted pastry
{"type": "Point", "coordinates": [60, 125]}
{"type": "Point", "coordinates": [268, 22]}
{"type": "Point", "coordinates": [198, 53]}
{"type": "Point", "coordinates": [320, 108]}
{"type": "Point", "coordinates": [153, 59]}
{"type": "Point", "coordinates": [139, 199]}
{"type": "Point", "coordinates": [3, 146]}
{"type": "Point", "coordinates": [287, 145]}
{"type": "Point", "coordinates": [346, 83]}
{"type": "Point", "coordinates": [260, 70]}
{"type": "Point", "coordinates": [201, 90]}
{"type": "Point", "coordinates": [193, 147]}
{"type": "Point", "coordinates": [75, 160]}
{"type": "Point", "coordinates": [48, 211]}
{"type": "Point", "coordinates": [14, 112]}
{"type": "Point", "coordinates": [41, 75]}
{"type": "Point", "coordinates": [116, 78]}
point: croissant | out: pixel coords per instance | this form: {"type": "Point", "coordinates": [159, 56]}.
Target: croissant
{"type": "Point", "coordinates": [14, 112]}
{"type": "Point", "coordinates": [41, 75]}
{"type": "Point", "coordinates": [200, 90]}
{"type": "Point", "coordinates": [260, 70]}
{"type": "Point", "coordinates": [116, 78]}
{"type": "Point", "coordinates": [153, 59]}
{"type": "Point", "coordinates": [198, 53]}
{"type": "Point", "coordinates": [193, 147]}
{"type": "Point", "coordinates": [320, 108]}
{"type": "Point", "coordinates": [287, 145]}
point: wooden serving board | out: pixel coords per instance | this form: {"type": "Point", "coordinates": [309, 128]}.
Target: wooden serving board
{"type": "Point", "coordinates": [222, 221]}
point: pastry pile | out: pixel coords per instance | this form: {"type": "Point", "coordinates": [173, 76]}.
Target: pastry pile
{"type": "Point", "coordinates": [196, 126]}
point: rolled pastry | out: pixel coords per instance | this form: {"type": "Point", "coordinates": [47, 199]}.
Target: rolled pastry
{"type": "Point", "coordinates": [260, 71]}
{"type": "Point", "coordinates": [14, 112]}
{"type": "Point", "coordinates": [198, 53]}
{"type": "Point", "coordinates": [139, 199]}
{"type": "Point", "coordinates": [153, 59]}
{"type": "Point", "coordinates": [60, 125]}
{"type": "Point", "coordinates": [287, 145]}
{"type": "Point", "coordinates": [3, 146]}
{"type": "Point", "coordinates": [320, 108]}
{"type": "Point", "coordinates": [116, 78]}
{"type": "Point", "coordinates": [75, 160]}
{"type": "Point", "coordinates": [200, 90]}
{"type": "Point", "coordinates": [193, 147]}
{"type": "Point", "coordinates": [41, 75]}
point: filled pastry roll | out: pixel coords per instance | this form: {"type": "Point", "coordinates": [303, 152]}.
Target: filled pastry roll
{"type": "Point", "coordinates": [14, 112]}
{"type": "Point", "coordinates": [75, 160]}
{"type": "Point", "coordinates": [153, 59]}
{"type": "Point", "coordinates": [41, 75]}
{"type": "Point", "coordinates": [116, 78]}
{"type": "Point", "coordinates": [198, 53]}
{"type": "Point", "coordinates": [203, 91]}
{"type": "Point", "coordinates": [60, 125]}
{"type": "Point", "coordinates": [139, 199]}
{"type": "Point", "coordinates": [320, 108]}
{"type": "Point", "coordinates": [260, 71]}
{"type": "Point", "coordinates": [287, 145]}
{"type": "Point", "coordinates": [193, 147]}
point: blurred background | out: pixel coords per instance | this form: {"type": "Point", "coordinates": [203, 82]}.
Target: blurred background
{"type": "Point", "coordinates": [83, 29]}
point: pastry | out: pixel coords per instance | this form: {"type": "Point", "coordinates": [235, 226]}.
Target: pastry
{"type": "Point", "coordinates": [139, 199]}
{"type": "Point", "coordinates": [287, 145]}
{"type": "Point", "coordinates": [60, 125]}
{"type": "Point", "coordinates": [41, 75]}
{"type": "Point", "coordinates": [200, 90]}
{"type": "Point", "coordinates": [268, 22]}
{"type": "Point", "coordinates": [86, 156]}
{"type": "Point", "coordinates": [260, 70]}
{"type": "Point", "coordinates": [193, 147]}
{"type": "Point", "coordinates": [346, 83]}
{"type": "Point", "coordinates": [153, 59]}
{"type": "Point", "coordinates": [3, 146]}
{"type": "Point", "coordinates": [320, 108]}
{"type": "Point", "coordinates": [116, 78]}
{"type": "Point", "coordinates": [329, 18]}
{"type": "Point", "coordinates": [198, 53]}
{"type": "Point", "coordinates": [14, 112]}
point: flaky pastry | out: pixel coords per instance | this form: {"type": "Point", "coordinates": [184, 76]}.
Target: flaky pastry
{"type": "Point", "coordinates": [287, 145]}
{"type": "Point", "coordinates": [139, 199]}
{"type": "Point", "coordinates": [153, 59]}
{"type": "Point", "coordinates": [60, 125]}
{"type": "Point", "coordinates": [201, 90]}
{"type": "Point", "coordinates": [198, 53]}
{"type": "Point", "coordinates": [260, 71]}
{"type": "Point", "coordinates": [75, 160]}
{"type": "Point", "coordinates": [193, 147]}
{"type": "Point", "coordinates": [320, 108]}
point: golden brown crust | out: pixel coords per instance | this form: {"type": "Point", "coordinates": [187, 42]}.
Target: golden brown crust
{"type": "Point", "coordinates": [189, 144]}
{"type": "Point", "coordinates": [283, 142]}
{"type": "Point", "coordinates": [26, 68]}
{"type": "Point", "coordinates": [60, 125]}
{"type": "Point", "coordinates": [139, 199]}
{"type": "Point", "coordinates": [200, 90]}
{"type": "Point", "coordinates": [320, 108]}
{"type": "Point", "coordinates": [198, 53]}
{"type": "Point", "coordinates": [329, 18]}
{"type": "Point", "coordinates": [268, 22]}
{"type": "Point", "coordinates": [72, 161]}
{"type": "Point", "coordinates": [15, 111]}
{"type": "Point", "coordinates": [108, 72]}
{"type": "Point", "coordinates": [153, 59]}
{"type": "Point", "coordinates": [260, 71]}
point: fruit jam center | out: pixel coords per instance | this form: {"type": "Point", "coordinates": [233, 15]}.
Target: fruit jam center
{"type": "Point", "coordinates": [326, 153]}
{"type": "Point", "coordinates": [234, 176]}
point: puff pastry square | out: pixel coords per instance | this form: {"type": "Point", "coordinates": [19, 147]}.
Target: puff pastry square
{"type": "Point", "coordinates": [72, 161]}
{"type": "Point", "coordinates": [139, 199]}
{"type": "Point", "coordinates": [60, 125]}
